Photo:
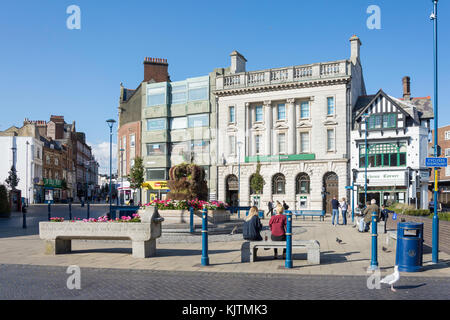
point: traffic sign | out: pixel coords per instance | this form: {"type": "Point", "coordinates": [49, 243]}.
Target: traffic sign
{"type": "Point", "coordinates": [349, 187]}
{"type": "Point", "coordinates": [436, 162]}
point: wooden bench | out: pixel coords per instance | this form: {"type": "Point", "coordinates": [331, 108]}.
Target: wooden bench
{"type": "Point", "coordinates": [58, 236]}
{"type": "Point", "coordinates": [249, 252]}
{"type": "Point", "coordinates": [309, 213]}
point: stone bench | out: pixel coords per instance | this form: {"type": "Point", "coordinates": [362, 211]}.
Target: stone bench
{"type": "Point", "coordinates": [248, 252]}
{"type": "Point", "coordinates": [58, 236]}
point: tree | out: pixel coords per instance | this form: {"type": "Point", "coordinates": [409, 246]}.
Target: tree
{"type": "Point", "coordinates": [12, 181]}
{"type": "Point", "coordinates": [257, 181]}
{"type": "Point", "coordinates": [136, 176]}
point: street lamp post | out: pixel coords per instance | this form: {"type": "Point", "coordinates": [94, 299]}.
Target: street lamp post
{"type": "Point", "coordinates": [354, 171]}
{"type": "Point", "coordinates": [365, 116]}
{"type": "Point", "coordinates": [110, 124]}
{"type": "Point", "coordinates": [239, 173]}
{"type": "Point", "coordinates": [26, 174]}
{"type": "Point", "coordinates": [122, 199]}
{"type": "Point", "coordinates": [435, 233]}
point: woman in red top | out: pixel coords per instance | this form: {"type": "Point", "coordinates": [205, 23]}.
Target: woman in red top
{"type": "Point", "coordinates": [278, 228]}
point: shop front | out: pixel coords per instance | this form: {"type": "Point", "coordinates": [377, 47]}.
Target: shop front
{"type": "Point", "coordinates": [52, 190]}
{"type": "Point", "coordinates": [156, 190]}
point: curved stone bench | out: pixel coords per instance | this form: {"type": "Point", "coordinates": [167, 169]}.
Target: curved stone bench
{"type": "Point", "coordinates": [58, 236]}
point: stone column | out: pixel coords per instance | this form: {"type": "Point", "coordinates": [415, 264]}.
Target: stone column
{"type": "Point", "coordinates": [268, 124]}
{"type": "Point", "coordinates": [291, 138]}
{"type": "Point", "coordinates": [274, 133]}
{"type": "Point", "coordinates": [246, 148]}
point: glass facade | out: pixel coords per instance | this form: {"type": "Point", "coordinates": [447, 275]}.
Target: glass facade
{"type": "Point", "coordinates": [198, 120]}
{"type": "Point", "coordinates": [383, 155]}
{"type": "Point", "coordinates": [156, 149]}
{"type": "Point", "coordinates": [156, 124]}
{"type": "Point", "coordinates": [156, 96]}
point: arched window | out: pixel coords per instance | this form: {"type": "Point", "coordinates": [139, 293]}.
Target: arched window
{"type": "Point", "coordinates": [278, 184]}
{"type": "Point", "coordinates": [302, 182]}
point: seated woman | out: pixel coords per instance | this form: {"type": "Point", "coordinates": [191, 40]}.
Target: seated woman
{"type": "Point", "coordinates": [252, 226]}
{"type": "Point", "coordinates": [278, 228]}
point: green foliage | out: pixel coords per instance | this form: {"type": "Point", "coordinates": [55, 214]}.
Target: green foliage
{"type": "Point", "coordinates": [444, 216]}
{"type": "Point", "coordinates": [187, 182]}
{"type": "Point", "coordinates": [12, 181]}
{"type": "Point", "coordinates": [136, 176]}
{"type": "Point", "coordinates": [257, 181]}
{"type": "Point", "coordinates": [4, 201]}
{"type": "Point", "coordinates": [409, 210]}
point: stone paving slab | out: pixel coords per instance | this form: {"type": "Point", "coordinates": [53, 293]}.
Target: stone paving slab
{"type": "Point", "coordinates": [351, 257]}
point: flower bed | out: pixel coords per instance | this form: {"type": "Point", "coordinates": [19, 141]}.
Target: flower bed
{"type": "Point", "coordinates": [135, 218]}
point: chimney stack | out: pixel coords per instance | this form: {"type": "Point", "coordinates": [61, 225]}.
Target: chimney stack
{"type": "Point", "coordinates": [156, 70]}
{"type": "Point", "coordinates": [355, 45]}
{"type": "Point", "coordinates": [237, 62]}
{"type": "Point", "coordinates": [406, 88]}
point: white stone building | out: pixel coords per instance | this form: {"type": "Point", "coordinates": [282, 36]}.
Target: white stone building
{"type": "Point", "coordinates": [397, 145]}
{"type": "Point", "coordinates": [295, 121]}
{"type": "Point", "coordinates": [27, 159]}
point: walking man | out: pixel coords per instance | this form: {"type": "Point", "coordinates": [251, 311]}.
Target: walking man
{"type": "Point", "coordinates": [270, 207]}
{"type": "Point", "coordinates": [335, 211]}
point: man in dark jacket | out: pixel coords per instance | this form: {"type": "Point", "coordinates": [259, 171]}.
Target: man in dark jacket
{"type": "Point", "coordinates": [335, 211]}
{"type": "Point", "coordinates": [368, 213]}
{"type": "Point", "coordinates": [270, 206]}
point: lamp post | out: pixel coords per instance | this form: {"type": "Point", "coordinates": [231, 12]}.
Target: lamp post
{"type": "Point", "coordinates": [239, 173]}
{"type": "Point", "coordinates": [110, 123]}
{"type": "Point", "coordinates": [365, 116]}
{"type": "Point", "coordinates": [122, 199]}
{"type": "Point", "coordinates": [26, 174]}
{"type": "Point", "coordinates": [435, 233]}
{"type": "Point", "coordinates": [355, 172]}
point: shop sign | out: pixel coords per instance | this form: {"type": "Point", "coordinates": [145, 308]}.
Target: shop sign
{"type": "Point", "coordinates": [379, 178]}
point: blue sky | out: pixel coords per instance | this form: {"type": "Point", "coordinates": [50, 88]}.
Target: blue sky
{"type": "Point", "coordinates": [48, 69]}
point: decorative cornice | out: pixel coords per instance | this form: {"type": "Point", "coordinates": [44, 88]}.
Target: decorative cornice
{"type": "Point", "coordinates": [290, 100]}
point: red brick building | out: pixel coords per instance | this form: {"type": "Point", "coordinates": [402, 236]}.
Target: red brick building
{"type": "Point", "coordinates": [443, 173]}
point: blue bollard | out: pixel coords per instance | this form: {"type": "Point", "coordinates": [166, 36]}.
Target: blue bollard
{"type": "Point", "coordinates": [88, 207]}
{"type": "Point", "coordinates": [205, 258]}
{"type": "Point", "coordinates": [374, 261]}
{"type": "Point", "coordinates": [49, 212]}
{"type": "Point", "coordinates": [288, 262]}
{"type": "Point", "coordinates": [191, 222]}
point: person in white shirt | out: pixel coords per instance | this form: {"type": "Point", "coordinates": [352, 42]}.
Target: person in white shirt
{"type": "Point", "coordinates": [344, 207]}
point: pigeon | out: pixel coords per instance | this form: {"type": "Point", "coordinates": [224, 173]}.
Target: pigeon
{"type": "Point", "coordinates": [234, 230]}
{"type": "Point", "coordinates": [392, 278]}
{"type": "Point", "coordinates": [338, 240]}
{"type": "Point", "coordinates": [384, 249]}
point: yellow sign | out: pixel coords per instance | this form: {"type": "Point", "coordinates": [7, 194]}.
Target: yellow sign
{"type": "Point", "coordinates": [155, 185]}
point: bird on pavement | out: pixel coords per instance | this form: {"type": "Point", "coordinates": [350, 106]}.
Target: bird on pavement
{"type": "Point", "coordinates": [338, 240]}
{"type": "Point", "coordinates": [384, 249]}
{"type": "Point", "coordinates": [392, 278]}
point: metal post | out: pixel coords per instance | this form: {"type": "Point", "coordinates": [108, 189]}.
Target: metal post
{"type": "Point", "coordinates": [374, 261]}
{"type": "Point", "coordinates": [191, 222]}
{"type": "Point", "coordinates": [70, 210]}
{"type": "Point", "coordinates": [288, 262]}
{"type": "Point", "coordinates": [88, 209]}
{"type": "Point", "coordinates": [205, 258]}
{"type": "Point", "coordinates": [365, 165]}
{"type": "Point", "coordinates": [435, 234]}
{"type": "Point", "coordinates": [49, 211]}
{"type": "Point", "coordinates": [24, 220]}
{"type": "Point", "coordinates": [239, 173]}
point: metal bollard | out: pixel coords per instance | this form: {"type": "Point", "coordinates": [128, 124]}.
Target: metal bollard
{"type": "Point", "coordinates": [191, 222]}
{"type": "Point", "coordinates": [205, 258]}
{"type": "Point", "coordinates": [288, 262]}
{"type": "Point", "coordinates": [70, 210]}
{"type": "Point", "coordinates": [24, 220]}
{"type": "Point", "coordinates": [49, 212]}
{"type": "Point", "coordinates": [88, 209]}
{"type": "Point", "coordinates": [374, 261]}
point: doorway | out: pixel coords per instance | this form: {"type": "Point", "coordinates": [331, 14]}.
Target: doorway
{"type": "Point", "coordinates": [331, 189]}
{"type": "Point", "coordinates": [232, 190]}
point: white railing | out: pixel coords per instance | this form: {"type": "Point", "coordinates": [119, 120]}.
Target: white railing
{"type": "Point", "coordinates": [255, 78]}
{"type": "Point", "coordinates": [283, 75]}
{"type": "Point", "coordinates": [302, 72]}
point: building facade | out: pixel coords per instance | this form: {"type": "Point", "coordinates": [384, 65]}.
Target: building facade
{"type": "Point", "coordinates": [295, 122]}
{"type": "Point", "coordinates": [390, 142]}
{"type": "Point", "coordinates": [443, 173]}
{"type": "Point", "coordinates": [23, 149]}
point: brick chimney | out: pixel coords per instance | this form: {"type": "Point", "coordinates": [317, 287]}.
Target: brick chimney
{"type": "Point", "coordinates": [156, 70]}
{"type": "Point", "coordinates": [406, 88]}
{"type": "Point", "coordinates": [55, 127]}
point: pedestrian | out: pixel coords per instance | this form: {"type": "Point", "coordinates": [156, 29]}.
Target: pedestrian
{"type": "Point", "coordinates": [252, 226]}
{"type": "Point", "coordinates": [285, 206]}
{"type": "Point", "coordinates": [365, 223]}
{"type": "Point", "coordinates": [335, 211]}
{"type": "Point", "coordinates": [344, 208]}
{"type": "Point", "coordinates": [277, 226]}
{"type": "Point", "coordinates": [385, 215]}
{"type": "Point", "coordinates": [270, 207]}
